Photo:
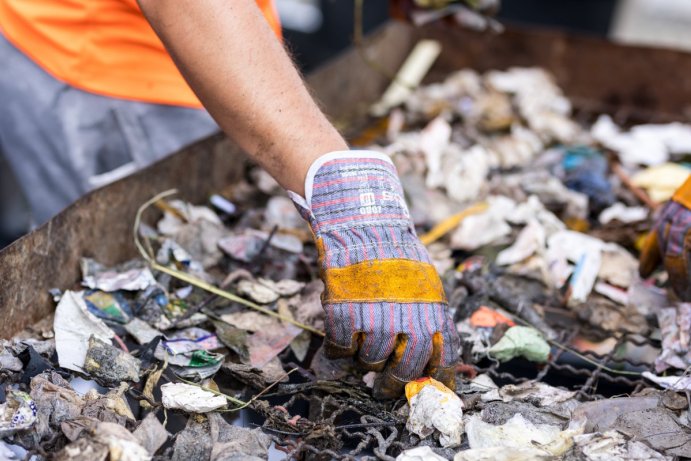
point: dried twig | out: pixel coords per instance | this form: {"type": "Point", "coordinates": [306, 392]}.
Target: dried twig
{"type": "Point", "coordinates": [139, 396]}
{"type": "Point", "coordinates": [635, 190]}
{"type": "Point", "coordinates": [451, 223]}
{"type": "Point", "coordinates": [192, 280]}
{"type": "Point", "coordinates": [360, 46]}
{"type": "Point", "coordinates": [242, 404]}
{"type": "Point", "coordinates": [578, 354]}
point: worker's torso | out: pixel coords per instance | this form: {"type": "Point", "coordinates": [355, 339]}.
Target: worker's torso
{"type": "Point", "coordinates": [103, 46]}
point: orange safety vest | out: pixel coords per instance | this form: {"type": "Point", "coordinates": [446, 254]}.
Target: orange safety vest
{"type": "Point", "coordinates": [102, 46]}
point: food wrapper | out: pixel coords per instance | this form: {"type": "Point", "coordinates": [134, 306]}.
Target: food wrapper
{"type": "Point", "coordinates": [17, 413]}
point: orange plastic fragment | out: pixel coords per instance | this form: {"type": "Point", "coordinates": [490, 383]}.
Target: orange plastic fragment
{"type": "Point", "coordinates": [488, 318]}
{"type": "Point", "coordinates": [415, 386]}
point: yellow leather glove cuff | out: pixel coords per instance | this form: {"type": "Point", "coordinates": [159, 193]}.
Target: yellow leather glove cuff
{"type": "Point", "coordinates": [388, 280]}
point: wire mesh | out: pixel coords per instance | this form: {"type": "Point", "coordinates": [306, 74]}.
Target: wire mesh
{"type": "Point", "coordinates": [349, 428]}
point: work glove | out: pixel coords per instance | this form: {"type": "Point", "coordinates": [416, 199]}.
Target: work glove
{"type": "Point", "coordinates": [383, 299]}
{"type": "Point", "coordinates": [669, 242]}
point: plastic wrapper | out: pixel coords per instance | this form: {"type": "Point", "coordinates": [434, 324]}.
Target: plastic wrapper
{"type": "Point", "coordinates": [104, 440]}
{"type": "Point", "coordinates": [585, 171]}
{"type": "Point", "coordinates": [110, 364]}
{"type": "Point", "coordinates": [503, 454]}
{"type": "Point", "coordinates": [18, 413]}
{"type": "Point", "coordinates": [517, 436]}
{"type": "Point", "coordinates": [235, 442]}
{"type": "Point", "coordinates": [97, 277]}
{"type": "Point", "coordinates": [8, 360]}
{"type": "Point", "coordinates": [600, 415]}
{"type": "Point", "coordinates": [265, 291]}
{"type": "Point", "coordinates": [530, 241]}
{"type": "Point", "coordinates": [521, 342]}
{"type": "Point", "coordinates": [108, 306]}
{"type": "Point", "coordinates": [484, 228]}
{"type": "Point", "coordinates": [190, 352]}
{"type": "Point", "coordinates": [659, 428]}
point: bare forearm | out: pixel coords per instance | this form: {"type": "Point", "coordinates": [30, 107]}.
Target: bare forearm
{"type": "Point", "coordinates": [240, 72]}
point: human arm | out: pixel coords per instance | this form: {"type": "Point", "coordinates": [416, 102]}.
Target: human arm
{"type": "Point", "coordinates": [383, 299]}
{"type": "Point", "coordinates": [242, 75]}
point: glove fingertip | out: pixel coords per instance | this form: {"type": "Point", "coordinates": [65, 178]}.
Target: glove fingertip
{"type": "Point", "coordinates": [388, 386]}
{"type": "Point", "coordinates": [446, 376]}
{"type": "Point", "coordinates": [333, 351]}
{"type": "Point", "coordinates": [678, 276]}
{"type": "Point", "coordinates": [650, 257]}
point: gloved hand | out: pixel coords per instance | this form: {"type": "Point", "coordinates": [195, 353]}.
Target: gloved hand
{"type": "Point", "coordinates": [670, 243]}
{"type": "Point", "coordinates": [383, 299]}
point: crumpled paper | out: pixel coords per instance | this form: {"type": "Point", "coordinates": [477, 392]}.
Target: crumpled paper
{"type": "Point", "coordinates": [420, 454]}
{"type": "Point", "coordinates": [104, 440]}
{"type": "Point", "coordinates": [675, 328]}
{"type": "Point", "coordinates": [484, 228]}
{"type": "Point", "coordinates": [612, 445]}
{"type": "Point", "coordinates": [649, 144]}
{"type": "Point", "coordinates": [537, 393]}
{"type": "Point", "coordinates": [97, 277]}
{"type": "Point", "coordinates": [181, 396]}
{"type": "Point", "coordinates": [151, 434]}
{"type": "Point", "coordinates": [532, 441]}
{"type": "Point", "coordinates": [674, 383]}
{"type": "Point", "coordinates": [73, 326]}
{"type": "Point", "coordinates": [434, 406]}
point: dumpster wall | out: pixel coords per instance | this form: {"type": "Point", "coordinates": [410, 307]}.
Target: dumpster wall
{"type": "Point", "coordinates": [99, 225]}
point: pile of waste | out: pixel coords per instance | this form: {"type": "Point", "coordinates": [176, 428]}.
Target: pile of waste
{"type": "Point", "coordinates": [208, 347]}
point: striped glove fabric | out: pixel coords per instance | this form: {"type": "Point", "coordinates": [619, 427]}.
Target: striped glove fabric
{"type": "Point", "coordinates": [669, 243]}
{"type": "Point", "coordinates": [383, 299]}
